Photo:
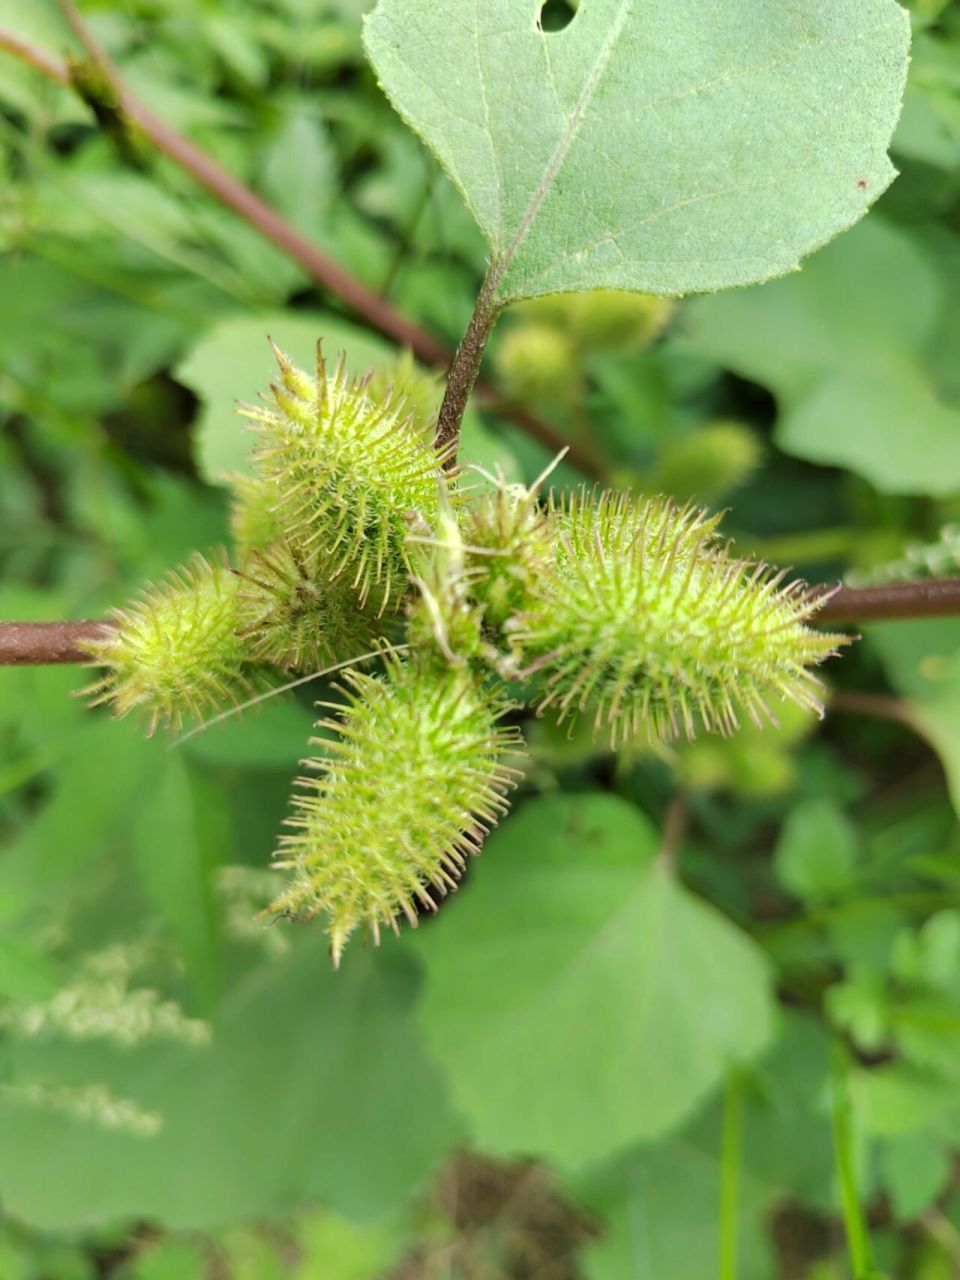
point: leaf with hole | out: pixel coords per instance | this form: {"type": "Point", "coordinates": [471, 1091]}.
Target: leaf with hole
{"type": "Point", "coordinates": [663, 148]}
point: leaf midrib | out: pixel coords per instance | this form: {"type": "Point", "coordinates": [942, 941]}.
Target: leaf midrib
{"type": "Point", "coordinates": [502, 264]}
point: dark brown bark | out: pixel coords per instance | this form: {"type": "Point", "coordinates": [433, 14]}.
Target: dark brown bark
{"type": "Point", "coordinates": [26, 643]}
{"type": "Point", "coordinates": [936, 598]}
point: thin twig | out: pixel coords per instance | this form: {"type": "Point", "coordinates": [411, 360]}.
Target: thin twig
{"type": "Point", "coordinates": [32, 643]}
{"type": "Point", "coordinates": [935, 598]}
{"type": "Point", "coordinates": [879, 705]}
{"type": "Point", "coordinates": [673, 832]}
{"type": "Point", "coordinates": [943, 1231]}
{"type": "Point", "coordinates": [53, 68]}
{"type": "Point", "coordinates": [903, 601]}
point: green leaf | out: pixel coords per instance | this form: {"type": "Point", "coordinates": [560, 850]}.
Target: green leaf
{"type": "Point", "coordinates": [922, 659]}
{"type": "Point", "coordinates": [299, 168]}
{"type": "Point", "coordinates": [816, 854]}
{"type": "Point", "coordinates": [25, 972]}
{"type": "Point", "coordinates": [659, 1210]}
{"type": "Point", "coordinates": [845, 348]}
{"type": "Point", "coordinates": [914, 1167]}
{"type": "Point", "coordinates": [577, 979]}
{"type": "Point", "coordinates": [653, 147]}
{"type": "Point", "coordinates": [316, 1086]}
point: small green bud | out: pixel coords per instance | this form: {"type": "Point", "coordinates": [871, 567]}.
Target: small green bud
{"type": "Point", "coordinates": [443, 615]}
{"type": "Point", "coordinates": [707, 463]}
{"type": "Point", "coordinates": [655, 627]}
{"type": "Point", "coordinates": [348, 472]}
{"type": "Point", "coordinates": [175, 649]}
{"type": "Point", "coordinates": [510, 544]}
{"type": "Point", "coordinates": [538, 364]}
{"type": "Point", "coordinates": [295, 615]}
{"type": "Point", "coordinates": [407, 791]}
{"type": "Point", "coordinates": [603, 319]}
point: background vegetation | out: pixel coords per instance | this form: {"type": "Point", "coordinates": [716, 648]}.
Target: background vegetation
{"type": "Point", "coordinates": [691, 1005]}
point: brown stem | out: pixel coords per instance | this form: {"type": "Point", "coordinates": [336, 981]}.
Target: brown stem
{"type": "Point", "coordinates": [935, 598]}
{"type": "Point", "coordinates": [30, 643]}
{"type": "Point", "coordinates": [39, 59]}
{"type": "Point", "coordinates": [464, 371]}
{"type": "Point", "coordinates": [248, 205]}
{"type": "Point", "coordinates": [879, 705]}
{"type": "Point", "coordinates": [39, 642]}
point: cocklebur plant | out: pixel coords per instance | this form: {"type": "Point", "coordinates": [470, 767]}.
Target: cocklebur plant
{"type": "Point", "coordinates": [408, 790]}
{"type": "Point", "coordinates": [347, 469]}
{"type": "Point", "coordinates": [627, 611]}
{"type": "Point", "coordinates": [475, 593]}
{"type": "Point", "coordinates": [175, 650]}
{"type": "Point", "coordinates": [648, 623]}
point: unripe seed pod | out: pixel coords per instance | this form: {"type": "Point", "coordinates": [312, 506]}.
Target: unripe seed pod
{"type": "Point", "coordinates": [510, 543]}
{"type": "Point", "coordinates": [538, 364]}
{"type": "Point", "coordinates": [348, 471]}
{"type": "Point", "coordinates": [254, 525]}
{"type": "Point", "coordinates": [175, 650]}
{"type": "Point", "coordinates": [295, 615]}
{"type": "Point", "coordinates": [413, 781]}
{"type": "Point", "coordinates": [603, 319]}
{"type": "Point", "coordinates": [708, 462]}
{"type": "Point", "coordinates": [413, 390]}
{"type": "Point", "coordinates": [655, 628]}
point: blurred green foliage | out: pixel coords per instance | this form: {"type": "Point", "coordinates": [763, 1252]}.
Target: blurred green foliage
{"type": "Point", "coordinates": [533, 1085]}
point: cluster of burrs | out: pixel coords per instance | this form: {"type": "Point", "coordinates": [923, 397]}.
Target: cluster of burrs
{"type": "Point", "coordinates": [354, 536]}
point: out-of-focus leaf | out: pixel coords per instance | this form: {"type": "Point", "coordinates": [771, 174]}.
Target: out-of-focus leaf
{"type": "Point", "coordinates": [298, 171]}
{"type": "Point", "coordinates": [572, 938]}
{"type": "Point", "coordinates": [816, 854]}
{"type": "Point", "coordinates": [843, 346]}
{"type": "Point", "coordinates": [658, 1209]}
{"type": "Point", "coordinates": [25, 972]}
{"type": "Point", "coordinates": [178, 832]}
{"type": "Point", "coordinates": [914, 1168]}
{"type": "Point", "coordinates": [923, 662]}
{"type": "Point", "coordinates": [315, 1086]}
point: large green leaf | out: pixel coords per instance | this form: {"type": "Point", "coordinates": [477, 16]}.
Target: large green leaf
{"type": "Point", "coordinates": [849, 349]}
{"type": "Point", "coordinates": [659, 1211]}
{"type": "Point", "coordinates": [670, 148]}
{"type": "Point", "coordinates": [315, 1086]}
{"type": "Point", "coordinates": [580, 998]}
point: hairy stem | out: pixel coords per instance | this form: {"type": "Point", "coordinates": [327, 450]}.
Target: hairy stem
{"type": "Point", "coordinates": [31, 643]}
{"type": "Point", "coordinates": [464, 370]}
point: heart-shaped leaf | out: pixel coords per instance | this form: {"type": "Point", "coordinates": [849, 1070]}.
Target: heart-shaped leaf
{"type": "Point", "coordinates": [661, 147]}
{"type": "Point", "coordinates": [577, 978]}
